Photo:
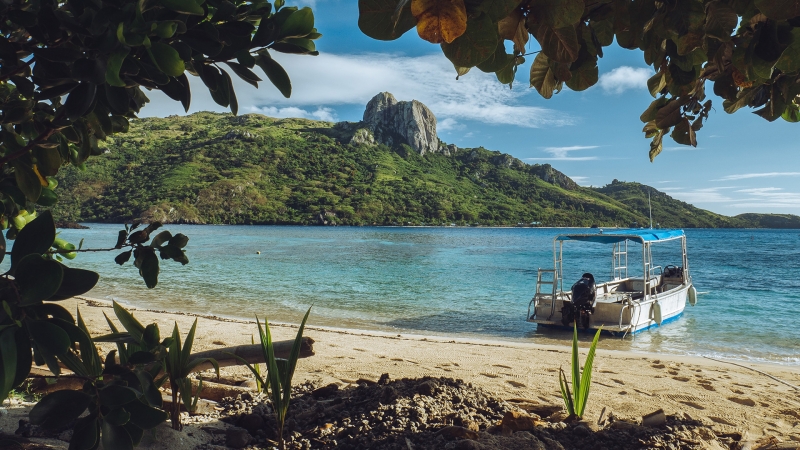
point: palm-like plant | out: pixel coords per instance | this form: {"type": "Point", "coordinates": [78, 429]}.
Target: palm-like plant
{"type": "Point", "coordinates": [575, 401]}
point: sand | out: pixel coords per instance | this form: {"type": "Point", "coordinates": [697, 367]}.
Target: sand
{"type": "Point", "coordinates": [726, 397]}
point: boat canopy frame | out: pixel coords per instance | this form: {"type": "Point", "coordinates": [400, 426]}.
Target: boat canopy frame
{"type": "Point", "coordinates": [619, 266]}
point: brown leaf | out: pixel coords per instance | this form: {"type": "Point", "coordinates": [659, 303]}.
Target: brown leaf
{"type": "Point", "coordinates": [542, 77]}
{"type": "Point", "coordinates": [513, 29]}
{"type": "Point", "coordinates": [669, 115]}
{"type": "Point", "coordinates": [560, 44]}
{"type": "Point", "coordinates": [440, 20]}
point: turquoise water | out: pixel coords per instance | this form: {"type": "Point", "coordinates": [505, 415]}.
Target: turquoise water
{"type": "Point", "coordinates": [461, 281]}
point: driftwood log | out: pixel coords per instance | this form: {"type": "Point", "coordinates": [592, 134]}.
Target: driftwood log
{"type": "Point", "coordinates": [251, 353]}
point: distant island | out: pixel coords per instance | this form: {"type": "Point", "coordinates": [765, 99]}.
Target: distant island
{"type": "Point", "coordinates": [389, 169]}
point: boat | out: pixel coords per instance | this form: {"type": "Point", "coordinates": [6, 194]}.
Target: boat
{"type": "Point", "coordinates": [625, 304]}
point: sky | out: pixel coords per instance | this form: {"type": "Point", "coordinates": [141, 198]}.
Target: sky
{"type": "Point", "coordinates": [742, 162]}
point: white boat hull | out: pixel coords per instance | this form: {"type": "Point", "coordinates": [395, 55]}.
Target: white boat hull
{"type": "Point", "coordinates": [615, 312]}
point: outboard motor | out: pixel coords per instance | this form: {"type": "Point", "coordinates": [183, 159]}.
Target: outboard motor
{"type": "Point", "coordinates": [582, 305]}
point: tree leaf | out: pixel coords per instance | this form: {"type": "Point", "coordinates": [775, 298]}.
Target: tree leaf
{"type": "Point", "coordinates": [36, 238]}
{"type": "Point", "coordinates": [85, 434]}
{"type": "Point", "coordinates": [721, 20]}
{"type": "Point", "coordinates": [114, 395]}
{"type": "Point", "coordinates": [557, 13]}
{"type": "Point", "coordinates": [160, 238]}
{"type": "Point", "coordinates": [37, 278]}
{"type": "Point", "coordinates": [114, 65]}
{"type": "Point", "coordinates": [58, 409]}
{"type": "Point", "coordinates": [49, 336]}
{"type": "Point", "coordinates": [656, 84]}
{"type": "Point", "coordinates": [297, 24]}
{"type": "Point", "coordinates": [116, 437]}
{"type": "Point", "coordinates": [440, 20]}
{"type": "Point", "coordinates": [8, 356]}
{"type": "Point", "coordinates": [584, 76]}
{"type": "Point", "coordinates": [144, 416]}
{"type": "Point", "coordinates": [385, 20]}
{"type": "Point", "coordinates": [779, 9]}
{"type": "Point", "coordinates": [75, 282]}
{"type": "Point", "coordinates": [542, 77]}
{"type": "Point", "coordinates": [559, 44]}
{"type": "Point", "coordinates": [513, 29]}
{"type": "Point", "coordinates": [244, 73]}
{"type": "Point", "coordinates": [498, 9]}
{"type": "Point", "coordinates": [179, 240]}
{"type": "Point", "coordinates": [276, 74]}
{"type": "Point", "coordinates": [27, 180]}
{"type": "Point", "coordinates": [234, 103]}
{"type": "Point", "coordinates": [80, 100]}
{"type": "Point", "coordinates": [149, 269]}
{"type": "Point", "coordinates": [167, 59]}
{"type": "Point", "coordinates": [669, 115]}
{"type": "Point", "coordinates": [789, 61]}
{"type": "Point", "coordinates": [184, 7]}
{"type": "Point", "coordinates": [498, 60]}
{"type": "Point", "coordinates": [475, 46]}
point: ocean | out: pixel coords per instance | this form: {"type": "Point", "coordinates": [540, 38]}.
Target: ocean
{"type": "Point", "coordinates": [461, 282]}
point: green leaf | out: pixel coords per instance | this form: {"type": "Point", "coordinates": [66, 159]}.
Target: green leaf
{"type": "Point", "coordinates": [584, 76]}
{"type": "Point", "coordinates": [179, 240]}
{"type": "Point", "coordinates": [789, 60]}
{"type": "Point", "coordinates": [118, 416]}
{"type": "Point", "coordinates": [131, 325]}
{"type": "Point", "coordinates": [27, 180]}
{"type": "Point", "coordinates": [85, 434]}
{"type": "Point", "coordinates": [114, 65]}
{"type": "Point", "coordinates": [116, 437]}
{"type": "Point", "coordinates": [498, 9]}
{"type": "Point", "coordinates": [498, 61]}
{"type": "Point", "coordinates": [559, 44]}
{"type": "Point", "coordinates": [476, 45]}
{"type": "Point", "coordinates": [779, 9]}
{"type": "Point", "coordinates": [586, 376]}
{"type": "Point", "coordinates": [75, 282]}
{"type": "Point", "coordinates": [576, 367]}
{"type": "Point", "coordinates": [80, 100]}
{"type": "Point", "coordinates": [47, 198]}
{"type": "Point", "coordinates": [234, 103]}
{"type": "Point", "coordinates": [184, 7]}
{"type": "Point", "coordinates": [244, 73]}
{"type": "Point", "coordinates": [558, 13]}
{"type": "Point", "coordinates": [49, 336]}
{"type": "Point", "coordinates": [167, 59]}
{"type": "Point", "coordinates": [58, 409]}
{"type": "Point", "coordinates": [187, 345]}
{"type": "Point", "coordinates": [385, 20]}
{"type": "Point", "coordinates": [542, 77]}
{"type": "Point", "coordinates": [144, 416]}
{"type": "Point", "coordinates": [656, 84]}
{"type": "Point", "coordinates": [298, 24]}
{"type": "Point", "coordinates": [2, 245]}
{"type": "Point", "coordinates": [669, 115]}
{"type": "Point", "coordinates": [149, 269]}
{"type": "Point", "coordinates": [114, 395]}
{"type": "Point", "coordinates": [24, 356]}
{"type": "Point", "coordinates": [276, 74]}
{"type": "Point", "coordinates": [8, 356]}
{"type": "Point", "coordinates": [160, 238]}
{"type": "Point", "coordinates": [38, 278]}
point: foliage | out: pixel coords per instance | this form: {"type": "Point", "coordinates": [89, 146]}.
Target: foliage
{"type": "Point", "coordinates": [279, 371]}
{"type": "Point", "coordinates": [575, 401]}
{"type": "Point", "coordinates": [250, 169]}
{"type": "Point", "coordinates": [167, 246]}
{"type": "Point", "coordinates": [749, 49]}
{"type": "Point", "coordinates": [178, 366]}
{"type": "Point", "coordinates": [771, 220]}
{"type": "Point", "coordinates": [121, 397]}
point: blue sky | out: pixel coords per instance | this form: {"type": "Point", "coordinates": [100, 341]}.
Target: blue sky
{"type": "Point", "coordinates": [742, 163]}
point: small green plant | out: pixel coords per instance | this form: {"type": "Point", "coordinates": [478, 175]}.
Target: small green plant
{"type": "Point", "coordinates": [178, 368]}
{"type": "Point", "coordinates": [575, 401]}
{"type": "Point", "coordinates": [279, 372]}
{"type": "Point", "coordinates": [257, 371]}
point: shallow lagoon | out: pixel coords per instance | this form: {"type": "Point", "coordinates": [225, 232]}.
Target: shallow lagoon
{"type": "Point", "coordinates": [461, 281]}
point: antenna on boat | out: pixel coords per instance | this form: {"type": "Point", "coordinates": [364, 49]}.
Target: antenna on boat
{"type": "Point", "coordinates": [650, 206]}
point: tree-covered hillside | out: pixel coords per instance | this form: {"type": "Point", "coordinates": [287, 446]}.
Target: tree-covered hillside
{"type": "Point", "coordinates": [667, 211]}
{"type": "Point", "coordinates": [251, 169]}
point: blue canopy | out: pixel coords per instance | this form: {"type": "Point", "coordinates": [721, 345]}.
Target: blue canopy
{"type": "Point", "coordinates": [614, 236]}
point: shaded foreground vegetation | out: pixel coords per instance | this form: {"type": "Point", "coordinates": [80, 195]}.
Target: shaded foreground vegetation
{"type": "Point", "coordinates": [251, 169]}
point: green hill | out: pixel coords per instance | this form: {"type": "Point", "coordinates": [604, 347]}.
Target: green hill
{"type": "Point", "coordinates": [251, 169]}
{"type": "Point", "coordinates": [770, 220]}
{"type": "Point", "coordinates": [667, 211]}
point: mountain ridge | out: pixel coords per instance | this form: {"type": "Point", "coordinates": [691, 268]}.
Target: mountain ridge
{"type": "Point", "coordinates": [251, 169]}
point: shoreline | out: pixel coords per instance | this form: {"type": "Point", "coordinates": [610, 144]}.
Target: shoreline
{"type": "Point", "coordinates": [88, 225]}
{"type": "Point", "coordinates": [726, 398]}
{"type": "Point", "coordinates": [476, 339]}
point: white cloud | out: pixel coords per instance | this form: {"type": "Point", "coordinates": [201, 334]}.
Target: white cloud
{"type": "Point", "coordinates": [449, 124]}
{"type": "Point", "coordinates": [704, 195]}
{"type": "Point", "coordinates": [744, 176]}
{"type": "Point", "coordinates": [578, 179]}
{"type": "Point", "coordinates": [321, 113]}
{"type": "Point", "coordinates": [767, 197]}
{"type": "Point", "coordinates": [562, 153]}
{"type": "Point", "coordinates": [329, 80]}
{"type": "Point", "coordinates": [681, 148]}
{"type": "Point", "coordinates": [624, 78]}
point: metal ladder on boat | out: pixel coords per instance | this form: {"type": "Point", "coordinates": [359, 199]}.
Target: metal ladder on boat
{"type": "Point", "coordinates": [619, 269]}
{"type": "Point", "coordinates": [553, 282]}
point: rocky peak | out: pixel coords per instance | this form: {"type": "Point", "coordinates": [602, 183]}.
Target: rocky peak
{"type": "Point", "coordinates": [547, 173]}
{"type": "Point", "coordinates": [392, 123]}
